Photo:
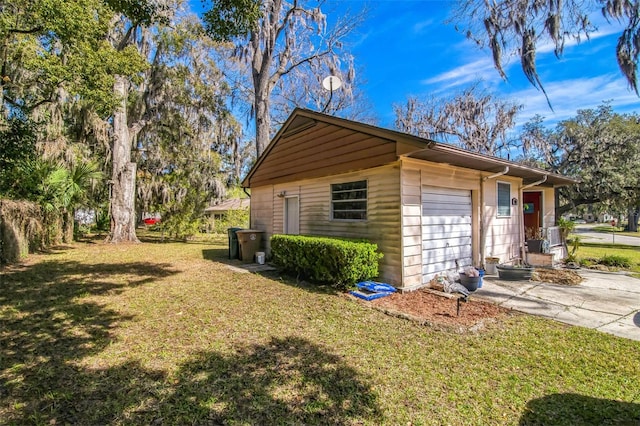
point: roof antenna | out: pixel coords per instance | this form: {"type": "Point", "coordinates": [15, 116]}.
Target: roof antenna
{"type": "Point", "coordinates": [331, 83]}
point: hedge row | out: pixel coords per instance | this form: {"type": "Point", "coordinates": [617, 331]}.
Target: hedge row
{"type": "Point", "coordinates": [338, 262]}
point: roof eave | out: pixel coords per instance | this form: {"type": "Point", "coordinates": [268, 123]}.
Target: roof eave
{"type": "Point", "coordinates": [425, 149]}
{"type": "Point", "coordinates": [461, 158]}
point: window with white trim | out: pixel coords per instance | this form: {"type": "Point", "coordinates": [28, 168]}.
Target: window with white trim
{"type": "Point", "coordinates": [349, 200]}
{"type": "Point", "coordinates": [504, 198]}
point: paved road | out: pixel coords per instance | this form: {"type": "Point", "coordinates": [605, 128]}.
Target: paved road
{"type": "Point", "coordinates": [605, 301]}
{"type": "Point", "coordinates": [587, 234]}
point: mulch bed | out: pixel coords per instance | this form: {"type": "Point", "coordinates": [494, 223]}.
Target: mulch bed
{"type": "Point", "coordinates": [439, 310]}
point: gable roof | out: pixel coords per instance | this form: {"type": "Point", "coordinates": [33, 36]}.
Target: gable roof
{"type": "Point", "coordinates": [311, 144]}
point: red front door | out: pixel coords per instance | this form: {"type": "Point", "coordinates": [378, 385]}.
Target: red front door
{"type": "Point", "coordinates": [532, 205]}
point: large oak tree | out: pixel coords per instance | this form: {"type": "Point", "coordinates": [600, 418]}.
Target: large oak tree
{"type": "Point", "coordinates": [599, 147]}
{"type": "Point", "coordinates": [288, 42]}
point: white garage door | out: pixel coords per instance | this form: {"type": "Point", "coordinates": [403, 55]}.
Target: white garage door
{"type": "Point", "coordinates": [446, 230]}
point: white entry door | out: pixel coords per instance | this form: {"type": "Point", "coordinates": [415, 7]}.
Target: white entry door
{"type": "Point", "coordinates": [292, 215]}
{"type": "Point", "coordinates": [446, 230]}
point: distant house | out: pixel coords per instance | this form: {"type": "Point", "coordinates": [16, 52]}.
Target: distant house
{"type": "Point", "coordinates": [605, 217]}
{"type": "Point", "coordinates": [430, 207]}
{"type": "Point", "coordinates": [221, 210]}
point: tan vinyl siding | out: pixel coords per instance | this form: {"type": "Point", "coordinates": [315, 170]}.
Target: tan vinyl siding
{"type": "Point", "coordinates": [503, 234]}
{"type": "Point", "coordinates": [322, 150]}
{"type": "Point", "coordinates": [411, 228]}
{"type": "Point", "coordinates": [383, 213]}
{"type": "Point", "coordinates": [313, 151]}
{"type": "Point", "coordinates": [262, 211]}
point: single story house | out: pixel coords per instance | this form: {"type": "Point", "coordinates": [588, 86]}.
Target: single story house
{"type": "Point", "coordinates": [220, 210]}
{"type": "Point", "coordinates": [430, 207]}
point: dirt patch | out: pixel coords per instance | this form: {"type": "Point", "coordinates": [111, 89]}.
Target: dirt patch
{"type": "Point", "coordinates": [556, 276]}
{"type": "Point", "coordinates": [428, 307]}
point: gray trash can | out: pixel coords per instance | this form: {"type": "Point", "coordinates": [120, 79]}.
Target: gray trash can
{"type": "Point", "coordinates": [234, 248]}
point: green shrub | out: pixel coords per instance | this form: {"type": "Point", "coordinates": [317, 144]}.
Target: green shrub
{"type": "Point", "coordinates": [615, 260]}
{"type": "Point", "coordinates": [587, 263]}
{"type": "Point", "coordinates": [238, 218]}
{"type": "Point", "coordinates": [339, 262]}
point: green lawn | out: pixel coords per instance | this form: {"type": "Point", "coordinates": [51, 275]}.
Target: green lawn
{"type": "Point", "coordinates": [165, 333]}
{"type": "Point", "coordinates": [598, 251]}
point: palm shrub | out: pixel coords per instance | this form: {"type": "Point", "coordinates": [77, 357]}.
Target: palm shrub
{"type": "Point", "coordinates": [566, 227]}
{"type": "Point", "coordinates": [338, 262]}
{"type": "Point", "coordinates": [572, 255]}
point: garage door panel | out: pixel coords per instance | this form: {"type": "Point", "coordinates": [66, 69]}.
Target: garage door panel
{"type": "Point", "coordinates": [446, 230]}
{"type": "Point", "coordinates": [443, 211]}
{"type": "Point", "coordinates": [428, 270]}
{"type": "Point", "coordinates": [447, 243]}
{"type": "Point", "coordinates": [454, 253]}
{"type": "Point", "coordinates": [447, 220]}
{"type": "Point", "coordinates": [441, 190]}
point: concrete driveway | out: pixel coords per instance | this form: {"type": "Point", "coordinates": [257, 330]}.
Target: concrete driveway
{"type": "Point", "coordinates": [605, 301]}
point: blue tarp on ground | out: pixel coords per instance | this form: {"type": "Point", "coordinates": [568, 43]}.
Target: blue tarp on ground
{"type": "Point", "coordinates": [369, 290]}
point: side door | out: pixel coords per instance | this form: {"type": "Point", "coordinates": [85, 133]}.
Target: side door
{"type": "Point", "coordinates": [292, 215]}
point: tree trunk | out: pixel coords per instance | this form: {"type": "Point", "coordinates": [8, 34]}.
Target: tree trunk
{"type": "Point", "coordinates": [633, 220]}
{"type": "Point", "coordinates": [263, 122]}
{"type": "Point", "coordinates": [123, 180]}
{"type": "Point", "coordinates": [261, 62]}
{"type": "Point", "coordinates": [67, 226]}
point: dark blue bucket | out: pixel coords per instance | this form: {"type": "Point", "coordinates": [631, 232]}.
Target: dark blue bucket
{"type": "Point", "coordinates": [481, 274]}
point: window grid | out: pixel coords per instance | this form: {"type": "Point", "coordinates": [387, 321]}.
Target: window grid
{"type": "Point", "coordinates": [349, 201]}
{"type": "Point", "coordinates": [504, 199]}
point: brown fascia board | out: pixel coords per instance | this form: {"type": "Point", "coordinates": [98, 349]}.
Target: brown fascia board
{"type": "Point", "coordinates": [412, 147]}
{"type": "Point", "coordinates": [529, 173]}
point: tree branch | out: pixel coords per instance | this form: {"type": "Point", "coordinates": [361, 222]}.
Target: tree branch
{"type": "Point", "coordinates": [29, 31]}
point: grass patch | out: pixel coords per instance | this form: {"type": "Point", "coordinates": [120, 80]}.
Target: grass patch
{"type": "Point", "coordinates": [623, 256]}
{"type": "Point", "coordinates": [165, 333]}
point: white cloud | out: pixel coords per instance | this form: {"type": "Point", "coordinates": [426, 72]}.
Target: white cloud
{"type": "Point", "coordinates": [568, 96]}
{"type": "Point", "coordinates": [468, 51]}
{"type": "Point", "coordinates": [549, 47]}
{"type": "Point", "coordinates": [422, 26]}
{"type": "Point", "coordinates": [481, 69]}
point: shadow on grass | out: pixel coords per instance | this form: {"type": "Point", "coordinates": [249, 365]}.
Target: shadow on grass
{"type": "Point", "coordinates": [222, 256]}
{"type": "Point", "coordinates": [288, 380]}
{"type": "Point", "coordinates": [219, 255]}
{"type": "Point", "coordinates": [45, 324]}
{"type": "Point", "coordinates": [48, 326]}
{"type": "Point", "coordinates": [574, 409]}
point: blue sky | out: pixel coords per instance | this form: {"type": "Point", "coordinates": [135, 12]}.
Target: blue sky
{"type": "Point", "coordinates": [406, 49]}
